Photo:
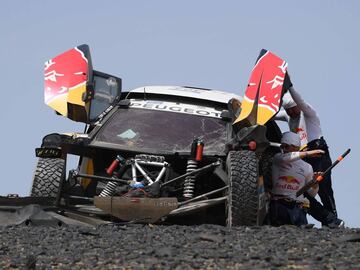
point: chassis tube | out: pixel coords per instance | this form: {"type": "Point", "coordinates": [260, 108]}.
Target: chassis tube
{"type": "Point", "coordinates": [203, 195]}
{"type": "Point", "coordinates": [205, 168]}
{"type": "Point", "coordinates": [101, 178]}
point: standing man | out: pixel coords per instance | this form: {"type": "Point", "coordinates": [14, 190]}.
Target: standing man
{"type": "Point", "coordinates": [303, 119]}
{"type": "Point", "coordinates": [290, 173]}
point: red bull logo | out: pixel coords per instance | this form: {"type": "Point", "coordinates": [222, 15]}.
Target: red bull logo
{"type": "Point", "coordinates": [301, 132]}
{"type": "Point", "coordinates": [297, 130]}
{"type": "Point", "coordinates": [289, 180]}
{"type": "Point", "coordinates": [64, 72]}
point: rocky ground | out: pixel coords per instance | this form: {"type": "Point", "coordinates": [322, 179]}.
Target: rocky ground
{"type": "Point", "coordinates": [178, 247]}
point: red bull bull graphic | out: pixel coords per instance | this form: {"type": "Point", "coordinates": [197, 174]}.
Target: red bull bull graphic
{"type": "Point", "coordinates": [264, 88]}
{"type": "Point", "coordinates": [288, 182]}
{"type": "Point", "coordinates": [65, 78]}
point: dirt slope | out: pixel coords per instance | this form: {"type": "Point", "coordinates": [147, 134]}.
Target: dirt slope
{"type": "Point", "coordinates": [178, 247]}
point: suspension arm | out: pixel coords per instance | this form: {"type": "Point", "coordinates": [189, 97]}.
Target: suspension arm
{"type": "Point", "coordinates": [101, 178]}
{"type": "Point", "coordinates": [203, 169]}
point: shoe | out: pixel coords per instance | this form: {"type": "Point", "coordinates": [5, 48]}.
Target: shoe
{"type": "Point", "coordinates": [337, 223]}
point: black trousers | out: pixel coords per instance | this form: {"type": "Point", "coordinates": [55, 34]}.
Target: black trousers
{"type": "Point", "coordinates": [282, 213]}
{"type": "Point", "coordinates": [325, 213]}
{"type": "Point", "coordinates": [326, 193]}
{"type": "Point", "coordinates": [319, 212]}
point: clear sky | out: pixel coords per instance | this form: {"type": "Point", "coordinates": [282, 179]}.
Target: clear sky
{"type": "Point", "coordinates": [211, 44]}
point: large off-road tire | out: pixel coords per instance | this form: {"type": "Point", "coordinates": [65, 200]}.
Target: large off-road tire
{"type": "Point", "coordinates": [243, 200]}
{"type": "Point", "coordinates": [265, 167]}
{"type": "Point", "coordinates": [48, 176]}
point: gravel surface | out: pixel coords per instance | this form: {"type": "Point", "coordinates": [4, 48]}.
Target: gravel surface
{"type": "Point", "coordinates": [178, 247]}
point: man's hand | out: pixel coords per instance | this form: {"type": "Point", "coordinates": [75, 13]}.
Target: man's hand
{"type": "Point", "coordinates": [316, 175]}
{"type": "Point", "coordinates": [314, 187]}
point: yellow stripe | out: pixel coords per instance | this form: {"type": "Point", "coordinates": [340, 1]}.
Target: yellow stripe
{"type": "Point", "coordinates": [264, 115]}
{"type": "Point", "coordinates": [75, 95]}
{"type": "Point", "coordinates": [85, 182]}
{"type": "Point", "coordinates": [59, 104]}
{"type": "Point", "coordinates": [246, 108]}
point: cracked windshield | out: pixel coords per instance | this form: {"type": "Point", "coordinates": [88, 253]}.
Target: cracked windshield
{"type": "Point", "coordinates": [138, 129]}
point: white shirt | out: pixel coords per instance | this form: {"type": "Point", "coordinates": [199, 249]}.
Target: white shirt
{"type": "Point", "coordinates": [307, 125]}
{"type": "Point", "coordinates": [289, 174]}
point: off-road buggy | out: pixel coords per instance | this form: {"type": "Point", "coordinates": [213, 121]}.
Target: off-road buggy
{"type": "Point", "coordinates": [160, 153]}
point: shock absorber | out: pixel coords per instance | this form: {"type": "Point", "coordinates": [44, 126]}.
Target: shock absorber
{"type": "Point", "coordinates": [192, 164]}
{"type": "Point", "coordinates": [189, 184]}
{"type": "Point", "coordinates": [110, 188]}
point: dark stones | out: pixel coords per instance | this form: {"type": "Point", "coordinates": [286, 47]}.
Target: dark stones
{"type": "Point", "coordinates": [177, 247]}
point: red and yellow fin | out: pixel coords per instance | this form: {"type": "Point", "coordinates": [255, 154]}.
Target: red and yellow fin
{"type": "Point", "coordinates": [263, 94]}
{"type": "Point", "coordinates": [65, 81]}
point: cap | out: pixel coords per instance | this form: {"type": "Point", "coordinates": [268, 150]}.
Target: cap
{"type": "Point", "coordinates": [288, 101]}
{"type": "Point", "coordinates": [291, 138]}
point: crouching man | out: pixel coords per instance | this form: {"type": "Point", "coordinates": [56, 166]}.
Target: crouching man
{"type": "Point", "coordinates": [290, 173]}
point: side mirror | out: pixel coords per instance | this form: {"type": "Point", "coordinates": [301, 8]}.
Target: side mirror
{"type": "Point", "coordinates": [106, 92]}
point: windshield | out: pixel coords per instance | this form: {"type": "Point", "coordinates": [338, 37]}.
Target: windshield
{"type": "Point", "coordinates": [162, 131]}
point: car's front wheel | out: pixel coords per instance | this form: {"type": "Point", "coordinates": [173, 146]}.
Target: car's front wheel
{"type": "Point", "coordinates": [48, 176]}
{"type": "Point", "coordinates": [243, 199]}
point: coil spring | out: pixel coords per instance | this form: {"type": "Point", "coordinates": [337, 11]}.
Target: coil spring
{"type": "Point", "coordinates": [189, 184]}
{"type": "Point", "coordinates": [109, 190]}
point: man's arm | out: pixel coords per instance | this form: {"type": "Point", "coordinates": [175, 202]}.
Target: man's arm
{"type": "Point", "coordinates": [293, 156]}
{"type": "Point", "coordinates": [305, 107]}
{"type": "Point", "coordinates": [286, 158]}
{"type": "Point", "coordinates": [311, 153]}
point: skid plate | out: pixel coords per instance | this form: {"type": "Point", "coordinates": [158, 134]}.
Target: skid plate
{"type": "Point", "coordinates": [145, 210]}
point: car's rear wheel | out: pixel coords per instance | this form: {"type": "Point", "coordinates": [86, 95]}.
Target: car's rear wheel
{"type": "Point", "coordinates": [48, 176]}
{"type": "Point", "coordinates": [243, 199]}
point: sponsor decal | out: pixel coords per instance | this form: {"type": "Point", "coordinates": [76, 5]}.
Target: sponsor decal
{"type": "Point", "coordinates": [65, 71]}
{"type": "Point", "coordinates": [271, 83]}
{"type": "Point", "coordinates": [175, 107]}
{"type": "Point", "coordinates": [266, 81]}
{"type": "Point", "coordinates": [302, 133]}
{"type": "Point", "coordinates": [288, 182]}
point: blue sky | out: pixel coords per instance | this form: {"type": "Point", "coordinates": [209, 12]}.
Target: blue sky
{"type": "Point", "coordinates": [212, 44]}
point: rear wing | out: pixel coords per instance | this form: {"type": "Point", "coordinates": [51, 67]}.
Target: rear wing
{"type": "Point", "coordinates": [73, 89]}
{"type": "Point", "coordinates": [263, 95]}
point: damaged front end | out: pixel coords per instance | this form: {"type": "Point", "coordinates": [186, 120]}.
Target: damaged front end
{"type": "Point", "coordinates": [157, 154]}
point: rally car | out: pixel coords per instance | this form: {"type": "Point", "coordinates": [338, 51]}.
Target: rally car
{"type": "Point", "coordinates": [161, 153]}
